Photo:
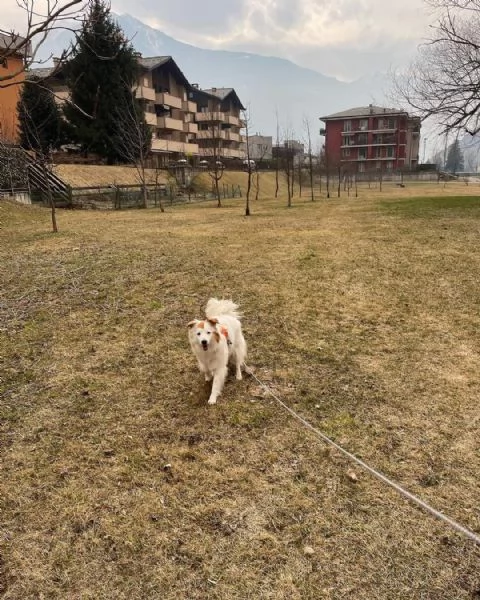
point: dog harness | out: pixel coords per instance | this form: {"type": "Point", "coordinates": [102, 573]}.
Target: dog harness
{"type": "Point", "coordinates": [224, 332]}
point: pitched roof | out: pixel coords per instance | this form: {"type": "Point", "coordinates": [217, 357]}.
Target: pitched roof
{"type": "Point", "coordinates": [152, 62]}
{"type": "Point", "coordinates": [222, 93]}
{"type": "Point", "coordinates": [363, 111]}
{"type": "Point", "coordinates": [14, 43]}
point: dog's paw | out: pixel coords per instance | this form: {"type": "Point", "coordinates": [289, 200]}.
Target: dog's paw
{"type": "Point", "coordinates": [208, 377]}
{"type": "Point", "coordinates": [238, 376]}
{"type": "Point", "coordinates": [212, 400]}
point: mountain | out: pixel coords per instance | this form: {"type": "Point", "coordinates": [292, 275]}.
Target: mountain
{"type": "Point", "coordinates": [265, 84]}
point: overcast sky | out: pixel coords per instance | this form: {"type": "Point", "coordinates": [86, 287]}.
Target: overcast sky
{"type": "Point", "coordinates": [341, 38]}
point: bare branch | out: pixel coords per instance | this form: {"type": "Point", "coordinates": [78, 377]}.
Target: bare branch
{"type": "Point", "coordinates": [38, 25]}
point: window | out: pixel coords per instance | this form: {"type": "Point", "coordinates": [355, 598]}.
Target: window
{"type": "Point", "coordinates": [389, 165]}
{"type": "Point", "coordinates": [361, 168]}
{"type": "Point", "coordinates": [391, 123]}
{"type": "Point", "coordinates": [347, 126]}
{"type": "Point", "coordinates": [362, 153]}
{"type": "Point", "coordinates": [363, 124]}
{"type": "Point", "coordinates": [362, 139]}
{"type": "Point", "coordinates": [390, 152]}
{"type": "Point", "coordinates": [346, 152]}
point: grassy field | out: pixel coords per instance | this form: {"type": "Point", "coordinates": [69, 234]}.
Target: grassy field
{"type": "Point", "coordinates": [119, 482]}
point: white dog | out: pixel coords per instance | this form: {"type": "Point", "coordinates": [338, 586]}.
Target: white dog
{"type": "Point", "coordinates": [216, 341]}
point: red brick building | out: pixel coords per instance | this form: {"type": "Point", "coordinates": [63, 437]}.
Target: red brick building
{"type": "Point", "coordinates": [372, 138]}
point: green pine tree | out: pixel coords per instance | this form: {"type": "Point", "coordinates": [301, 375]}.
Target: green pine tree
{"type": "Point", "coordinates": [101, 73]}
{"type": "Point", "coordinates": [41, 126]}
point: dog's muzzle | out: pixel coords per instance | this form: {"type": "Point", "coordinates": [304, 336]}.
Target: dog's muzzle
{"type": "Point", "coordinates": [205, 344]}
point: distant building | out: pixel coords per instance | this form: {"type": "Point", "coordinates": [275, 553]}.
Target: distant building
{"type": "Point", "coordinates": [12, 62]}
{"type": "Point", "coordinates": [260, 147]}
{"type": "Point", "coordinates": [372, 138]}
{"type": "Point", "coordinates": [219, 122]}
{"type": "Point", "coordinates": [289, 149]}
{"type": "Point", "coordinates": [164, 90]}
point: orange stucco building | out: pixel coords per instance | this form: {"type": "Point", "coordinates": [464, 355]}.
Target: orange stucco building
{"type": "Point", "coordinates": [11, 62]}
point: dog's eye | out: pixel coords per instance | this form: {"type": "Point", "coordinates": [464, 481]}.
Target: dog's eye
{"type": "Point", "coordinates": [209, 332]}
{"type": "Point", "coordinates": [199, 333]}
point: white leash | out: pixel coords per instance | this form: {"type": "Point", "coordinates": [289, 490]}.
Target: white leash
{"type": "Point", "coordinates": [415, 499]}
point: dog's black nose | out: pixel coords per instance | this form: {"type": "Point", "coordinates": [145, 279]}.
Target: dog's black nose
{"type": "Point", "coordinates": [204, 342]}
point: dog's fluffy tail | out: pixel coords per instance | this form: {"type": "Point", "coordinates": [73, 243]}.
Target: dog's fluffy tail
{"type": "Point", "coordinates": [215, 308]}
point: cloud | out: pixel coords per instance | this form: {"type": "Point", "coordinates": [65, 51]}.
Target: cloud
{"type": "Point", "coordinates": [357, 36]}
{"type": "Point", "coordinates": [344, 38]}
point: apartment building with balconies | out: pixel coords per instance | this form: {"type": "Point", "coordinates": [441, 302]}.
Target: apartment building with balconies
{"type": "Point", "coordinates": [219, 122]}
{"type": "Point", "coordinates": [164, 91]}
{"type": "Point", "coordinates": [372, 138]}
{"type": "Point", "coordinates": [180, 128]}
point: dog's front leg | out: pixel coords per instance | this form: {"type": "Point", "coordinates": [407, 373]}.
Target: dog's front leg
{"type": "Point", "coordinates": [205, 371]}
{"type": "Point", "coordinates": [217, 385]}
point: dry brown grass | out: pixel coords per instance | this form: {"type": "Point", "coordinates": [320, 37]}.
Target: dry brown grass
{"type": "Point", "coordinates": [361, 313]}
{"type": "Point", "coordinates": [104, 175]}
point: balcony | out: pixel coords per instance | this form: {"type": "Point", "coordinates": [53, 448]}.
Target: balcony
{"type": "Point", "coordinates": [231, 153]}
{"type": "Point", "coordinates": [190, 127]}
{"type": "Point", "coordinates": [355, 145]}
{"type": "Point", "coordinates": [232, 120]}
{"type": "Point", "coordinates": [384, 142]}
{"type": "Point", "coordinates": [168, 100]}
{"type": "Point", "coordinates": [210, 117]}
{"type": "Point", "coordinates": [169, 123]}
{"type": "Point", "coordinates": [145, 93]}
{"type": "Point", "coordinates": [159, 145]}
{"type": "Point", "coordinates": [233, 137]}
{"type": "Point", "coordinates": [151, 119]}
{"type": "Point", "coordinates": [211, 135]}
{"type": "Point", "coordinates": [189, 107]}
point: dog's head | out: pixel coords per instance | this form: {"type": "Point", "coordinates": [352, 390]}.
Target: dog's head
{"type": "Point", "coordinates": [203, 333]}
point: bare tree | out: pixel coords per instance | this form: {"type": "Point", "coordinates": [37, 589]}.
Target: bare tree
{"type": "Point", "coordinates": [300, 176]}
{"type": "Point", "coordinates": [443, 82]}
{"type": "Point", "coordinates": [246, 119]}
{"type": "Point", "coordinates": [42, 17]}
{"type": "Point", "coordinates": [213, 153]}
{"type": "Point", "coordinates": [277, 158]}
{"type": "Point", "coordinates": [263, 149]}
{"type": "Point", "coordinates": [133, 141]}
{"type": "Point", "coordinates": [306, 123]}
{"type": "Point", "coordinates": [34, 141]}
{"type": "Point", "coordinates": [288, 164]}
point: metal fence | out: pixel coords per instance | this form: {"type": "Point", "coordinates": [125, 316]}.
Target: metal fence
{"type": "Point", "coordinates": [130, 197]}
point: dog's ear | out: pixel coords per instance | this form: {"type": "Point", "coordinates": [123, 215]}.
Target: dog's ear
{"type": "Point", "coordinates": [216, 335]}
{"type": "Point", "coordinates": [192, 323]}
{"type": "Point", "coordinates": [213, 321]}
